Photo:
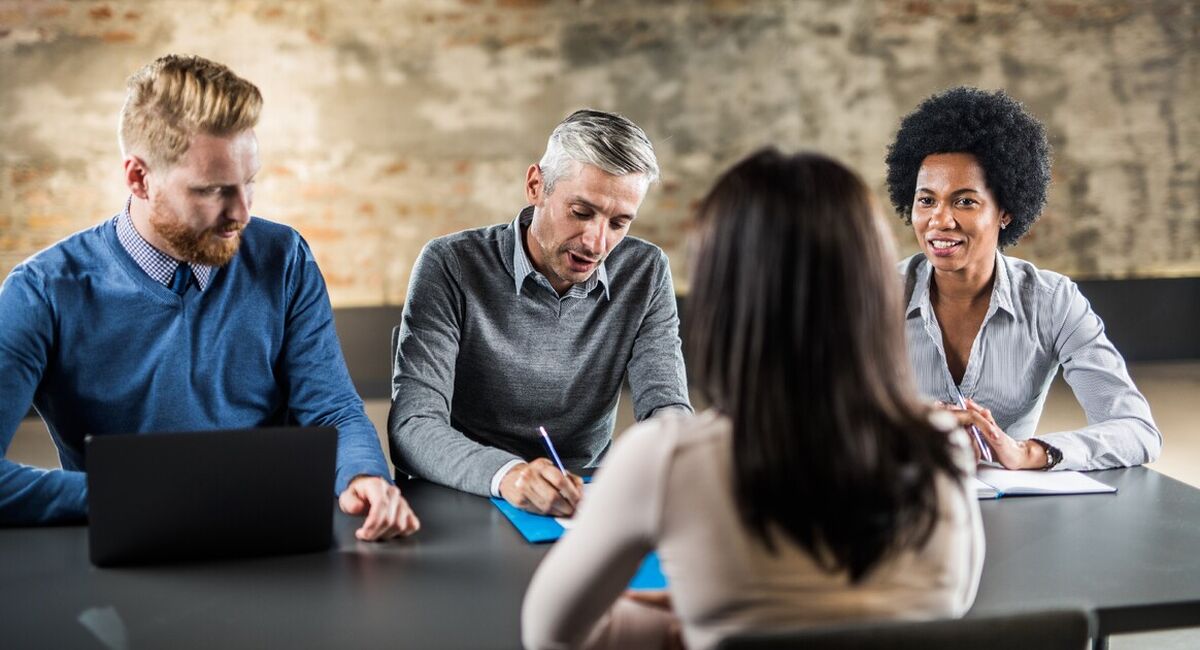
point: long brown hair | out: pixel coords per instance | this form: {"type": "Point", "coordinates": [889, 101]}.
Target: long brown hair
{"type": "Point", "coordinates": [793, 332]}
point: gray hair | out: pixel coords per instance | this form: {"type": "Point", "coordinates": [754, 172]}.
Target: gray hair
{"type": "Point", "coordinates": [608, 141]}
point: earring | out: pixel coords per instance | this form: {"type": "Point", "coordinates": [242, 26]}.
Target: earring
{"type": "Point", "coordinates": [1003, 226]}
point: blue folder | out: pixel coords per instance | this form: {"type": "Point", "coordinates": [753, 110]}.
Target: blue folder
{"type": "Point", "coordinates": [534, 528]}
{"type": "Point", "coordinates": [538, 529]}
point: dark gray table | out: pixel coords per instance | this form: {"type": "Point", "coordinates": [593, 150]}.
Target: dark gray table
{"type": "Point", "coordinates": [1134, 557]}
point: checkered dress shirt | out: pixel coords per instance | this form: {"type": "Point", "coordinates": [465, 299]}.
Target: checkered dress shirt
{"type": "Point", "coordinates": [157, 264]}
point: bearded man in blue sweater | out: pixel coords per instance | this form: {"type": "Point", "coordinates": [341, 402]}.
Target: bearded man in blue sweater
{"type": "Point", "coordinates": [182, 312]}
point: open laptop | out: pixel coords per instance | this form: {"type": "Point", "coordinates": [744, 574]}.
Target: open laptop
{"type": "Point", "coordinates": [164, 497]}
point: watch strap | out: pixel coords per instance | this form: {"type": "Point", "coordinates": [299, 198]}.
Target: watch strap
{"type": "Point", "coordinates": [1054, 455]}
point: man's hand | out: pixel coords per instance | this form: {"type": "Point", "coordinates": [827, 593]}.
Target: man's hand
{"type": "Point", "coordinates": [388, 514]}
{"type": "Point", "coordinates": [540, 487]}
{"type": "Point", "coordinates": [1011, 453]}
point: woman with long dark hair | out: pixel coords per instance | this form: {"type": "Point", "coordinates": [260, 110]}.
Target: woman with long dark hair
{"type": "Point", "coordinates": [817, 489]}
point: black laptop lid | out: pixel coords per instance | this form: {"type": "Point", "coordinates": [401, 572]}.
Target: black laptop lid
{"type": "Point", "coordinates": [210, 494]}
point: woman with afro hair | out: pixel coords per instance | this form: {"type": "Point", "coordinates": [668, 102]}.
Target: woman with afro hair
{"type": "Point", "coordinates": [987, 332]}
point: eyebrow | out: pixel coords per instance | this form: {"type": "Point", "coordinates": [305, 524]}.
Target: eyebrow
{"type": "Point", "coordinates": [958, 191]}
{"type": "Point", "coordinates": [588, 204]}
{"type": "Point", "coordinates": [251, 177]}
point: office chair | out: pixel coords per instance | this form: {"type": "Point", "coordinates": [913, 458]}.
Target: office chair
{"type": "Point", "coordinates": [395, 344]}
{"type": "Point", "coordinates": [1067, 629]}
{"type": "Point", "coordinates": [402, 473]}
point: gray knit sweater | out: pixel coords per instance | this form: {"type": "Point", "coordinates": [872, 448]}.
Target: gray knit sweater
{"type": "Point", "coordinates": [485, 358]}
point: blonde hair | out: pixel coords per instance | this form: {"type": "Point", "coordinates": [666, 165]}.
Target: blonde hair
{"type": "Point", "coordinates": [175, 97]}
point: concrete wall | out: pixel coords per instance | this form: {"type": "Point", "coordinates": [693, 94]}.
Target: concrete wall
{"type": "Point", "coordinates": [388, 123]}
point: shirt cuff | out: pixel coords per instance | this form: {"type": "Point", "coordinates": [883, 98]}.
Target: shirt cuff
{"type": "Point", "coordinates": [499, 475]}
{"type": "Point", "coordinates": [682, 409]}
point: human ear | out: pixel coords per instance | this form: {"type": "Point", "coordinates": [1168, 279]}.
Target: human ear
{"type": "Point", "coordinates": [534, 185]}
{"type": "Point", "coordinates": [137, 175]}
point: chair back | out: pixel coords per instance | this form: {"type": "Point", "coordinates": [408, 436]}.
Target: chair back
{"type": "Point", "coordinates": [395, 345]}
{"type": "Point", "coordinates": [402, 473]}
{"type": "Point", "coordinates": [1067, 629]}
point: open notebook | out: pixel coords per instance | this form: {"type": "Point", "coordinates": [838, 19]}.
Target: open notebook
{"type": "Point", "coordinates": [992, 483]}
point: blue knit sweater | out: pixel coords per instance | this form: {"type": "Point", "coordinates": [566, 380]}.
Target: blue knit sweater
{"type": "Point", "coordinates": [99, 347]}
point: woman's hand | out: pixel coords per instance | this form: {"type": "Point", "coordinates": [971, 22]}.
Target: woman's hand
{"type": "Point", "coordinates": [1012, 454]}
{"type": "Point", "coordinates": [660, 600]}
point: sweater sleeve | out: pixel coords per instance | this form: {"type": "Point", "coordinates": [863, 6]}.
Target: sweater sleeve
{"type": "Point", "coordinates": [422, 438]}
{"type": "Point", "coordinates": [29, 495]}
{"type": "Point", "coordinates": [616, 526]}
{"type": "Point", "coordinates": [320, 392]}
{"type": "Point", "coordinates": [657, 377]}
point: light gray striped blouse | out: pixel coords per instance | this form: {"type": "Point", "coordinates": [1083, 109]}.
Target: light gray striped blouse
{"type": "Point", "coordinates": [1037, 321]}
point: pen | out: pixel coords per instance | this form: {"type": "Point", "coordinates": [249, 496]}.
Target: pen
{"type": "Point", "coordinates": [985, 451]}
{"type": "Point", "coordinates": [550, 448]}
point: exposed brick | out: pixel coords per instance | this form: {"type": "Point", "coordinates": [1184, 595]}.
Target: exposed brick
{"type": "Point", "coordinates": [521, 4]}
{"type": "Point", "coordinates": [919, 7]}
{"type": "Point", "coordinates": [394, 122]}
{"type": "Point", "coordinates": [1065, 10]}
{"type": "Point", "coordinates": [118, 36]}
{"type": "Point", "coordinates": [54, 11]}
{"type": "Point", "coordinates": [10, 18]}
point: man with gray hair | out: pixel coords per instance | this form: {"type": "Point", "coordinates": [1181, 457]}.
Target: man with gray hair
{"type": "Point", "coordinates": [534, 323]}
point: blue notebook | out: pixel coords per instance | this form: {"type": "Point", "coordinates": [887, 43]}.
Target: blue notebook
{"type": "Point", "coordinates": [538, 529]}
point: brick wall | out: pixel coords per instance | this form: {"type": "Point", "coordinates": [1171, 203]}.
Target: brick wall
{"type": "Point", "coordinates": [388, 123]}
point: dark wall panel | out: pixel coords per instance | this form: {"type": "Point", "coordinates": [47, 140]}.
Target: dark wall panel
{"type": "Point", "coordinates": [1148, 320]}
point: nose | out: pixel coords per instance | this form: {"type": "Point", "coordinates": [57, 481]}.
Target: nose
{"type": "Point", "coordinates": [593, 238]}
{"type": "Point", "coordinates": [941, 218]}
{"type": "Point", "coordinates": [238, 208]}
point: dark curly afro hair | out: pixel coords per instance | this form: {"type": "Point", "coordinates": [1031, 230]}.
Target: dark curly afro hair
{"type": "Point", "coordinates": [1008, 142]}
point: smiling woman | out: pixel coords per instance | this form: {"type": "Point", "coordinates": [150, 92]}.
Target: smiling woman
{"type": "Point", "coordinates": [969, 170]}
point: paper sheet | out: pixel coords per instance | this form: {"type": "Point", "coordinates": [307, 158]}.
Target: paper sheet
{"type": "Point", "coordinates": [1033, 482]}
{"type": "Point", "coordinates": [566, 522]}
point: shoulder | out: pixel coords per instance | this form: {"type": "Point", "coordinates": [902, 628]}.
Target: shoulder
{"type": "Point", "coordinates": [1046, 293]}
{"type": "Point", "coordinates": [468, 253]}
{"type": "Point", "coordinates": [911, 270]}
{"type": "Point", "coordinates": [75, 256]}
{"type": "Point", "coordinates": [1029, 279]}
{"type": "Point", "coordinates": [472, 239]}
{"type": "Point", "coordinates": [637, 260]}
{"type": "Point", "coordinates": [654, 442]}
{"type": "Point", "coordinates": [470, 244]}
{"type": "Point", "coordinates": [270, 248]}
{"type": "Point", "coordinates": [634, 250]}
{"type": "Point", "coordinates": [262, 235]}
{"type": "Point", "coordinates": [910, 266]}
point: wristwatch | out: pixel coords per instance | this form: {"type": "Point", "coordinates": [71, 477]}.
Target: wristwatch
{"type": "Point", "coordinates": [1053, 454]}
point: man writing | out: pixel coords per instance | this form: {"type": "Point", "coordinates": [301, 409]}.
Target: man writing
{"type": "Point", "coordinates": [534, 323]}
{"type": "Point", "coordinates": [182, 312]}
